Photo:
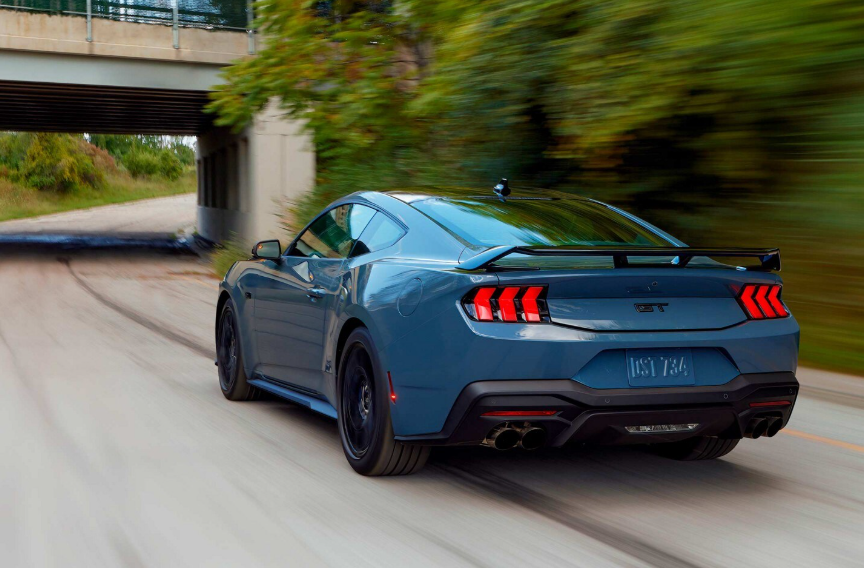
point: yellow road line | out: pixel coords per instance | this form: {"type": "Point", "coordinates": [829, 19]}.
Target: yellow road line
{"type": "Point", "coordinates": [829, 441]}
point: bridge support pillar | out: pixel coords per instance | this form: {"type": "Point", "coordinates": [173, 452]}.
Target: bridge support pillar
{"type": "Point", "coordinates": [246, 180]}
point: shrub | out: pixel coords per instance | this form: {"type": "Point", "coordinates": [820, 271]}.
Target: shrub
{"type": "Point", "coordinates": [170, 165]}
{"type": "Point", "coordinates": [141, 163]}
{"type": "Point", "coordinates": [13, 149]}
{"type": "Point", "coordinates": [56, 162]}
{"type": "Point", "coordinates": [101, 158]}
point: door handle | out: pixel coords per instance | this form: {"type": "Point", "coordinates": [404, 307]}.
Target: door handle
{"type": "Point", "coordinates": [315, 292]}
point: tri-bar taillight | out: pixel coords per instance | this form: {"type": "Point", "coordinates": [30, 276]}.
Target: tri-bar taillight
{"type": "Point", "coordinates": [517, 304]}
{"type": "Point", "coordinates": [762, 301]}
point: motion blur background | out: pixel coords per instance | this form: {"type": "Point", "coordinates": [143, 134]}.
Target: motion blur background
{"type": "Point", "coordinates": [738, 122]}
{"type": "Point", "coordinates": [733, 123]}
{"type": "Point", "coordinates": [725, 122]}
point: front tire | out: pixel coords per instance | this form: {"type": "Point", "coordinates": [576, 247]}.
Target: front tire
{"type": "Point", "coordinates": [694, 449]}
{"type": "Point", "coordinates": [232, 376]}
{"type": "Point", "coordinates": [365, 427]}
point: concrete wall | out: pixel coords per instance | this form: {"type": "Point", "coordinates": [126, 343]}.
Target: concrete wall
{"type": "Point", "coordinates": [24, 31]}
{"type": "Point", "coordinates": [274, 157]}
{"type": "Point", "coordinates": [245, 180]}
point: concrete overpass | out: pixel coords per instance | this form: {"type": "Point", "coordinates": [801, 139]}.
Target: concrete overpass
{"type": "Point", "coordinates": [120, 73]}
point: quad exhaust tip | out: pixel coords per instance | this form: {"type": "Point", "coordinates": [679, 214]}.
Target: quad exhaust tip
{"type": "Point", "coordinates": [768, 427]}
{"type": "Point", "coordinates": [774, 426]}
{"type": "Point", "coordinates": [532, 438]}
{"type": "Point", "coordinates": [507, 437]}
{"type": "Point", "coordinates": [503, 438]}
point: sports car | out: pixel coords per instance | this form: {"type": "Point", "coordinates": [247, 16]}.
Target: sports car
{"type": "Point", "coordinates": [512, 320]}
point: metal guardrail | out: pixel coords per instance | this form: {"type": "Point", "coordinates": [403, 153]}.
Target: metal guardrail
{"type": "Point", "coordinates": [229, 15]}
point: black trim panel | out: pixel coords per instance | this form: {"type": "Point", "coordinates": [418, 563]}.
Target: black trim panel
{"type": "Point", "coordinates": [586, 414]}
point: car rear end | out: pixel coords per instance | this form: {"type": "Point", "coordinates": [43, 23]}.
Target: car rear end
{"type": "Point", "coordinates": [606, 344]}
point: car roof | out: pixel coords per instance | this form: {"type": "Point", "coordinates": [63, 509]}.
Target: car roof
{"type": "Point", "coordinates": [415, 194]}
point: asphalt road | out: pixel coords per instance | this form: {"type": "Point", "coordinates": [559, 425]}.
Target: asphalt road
{"type": "Point", "coordinates": [118, 449]}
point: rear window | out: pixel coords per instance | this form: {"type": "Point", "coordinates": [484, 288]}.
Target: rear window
{"type": "Point", "coordinates": [536, 222]}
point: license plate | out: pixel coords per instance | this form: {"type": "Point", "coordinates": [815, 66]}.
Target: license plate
{"type": "Point", "coordinates": [660, 367]}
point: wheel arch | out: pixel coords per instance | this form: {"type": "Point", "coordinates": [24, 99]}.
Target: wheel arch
{"type": "Point", "coordinates": [350, 325]}
{"type": "Point", "coordinates": [224, 296]}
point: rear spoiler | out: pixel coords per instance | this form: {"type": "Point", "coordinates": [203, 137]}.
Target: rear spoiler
{"type": "Point", "coordinates": [769, 258]}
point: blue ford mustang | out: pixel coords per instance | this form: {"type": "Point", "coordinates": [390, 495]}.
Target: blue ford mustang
{"type": "Point", "coordinates": [451, 317]}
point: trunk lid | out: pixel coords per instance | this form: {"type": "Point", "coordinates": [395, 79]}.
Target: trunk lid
{"type": "Point", "coordinates": [642, 299]}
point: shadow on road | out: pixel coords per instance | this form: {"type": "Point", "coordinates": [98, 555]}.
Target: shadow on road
{"type": "Point", "coordinates": [156, 242]}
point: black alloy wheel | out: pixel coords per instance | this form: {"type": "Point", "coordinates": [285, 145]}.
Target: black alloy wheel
{"type": "Point", "coordinates": [229, 358]}
{"type": "Point", "coordinates": [364, 405]}
{"type": "Point", "coordinates": [358, 402]}
{"type": "Point", "coordinates": [227, 351]}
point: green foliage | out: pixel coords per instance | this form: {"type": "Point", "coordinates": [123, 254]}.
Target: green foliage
{"type": "Point", "coordinates": [57, 162]}
{"type": "Point", "coordinates": [170, 165]}
{"type": "Point", "coordinates": [184, 153]}
{"type": "Point", "coordinates": [13, 150]}
{"type": "Point", "coordinates": [167, 150]}
{"type": "Point", "coordinates": [734, 122]}
{"type": "Point", "coordinates": [224, 256]}
{"type": "Point", "coordinates": [145, 163]}
{"type": "Point", "coordinates": [141, 163]}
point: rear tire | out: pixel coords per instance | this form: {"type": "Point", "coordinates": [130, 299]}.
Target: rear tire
{"type": "Point", "coordinates": [365, 427]}
{"type": "Point", "coordinates": [693, 449]}
{"type": "Point", "coordinates": [232, 376]}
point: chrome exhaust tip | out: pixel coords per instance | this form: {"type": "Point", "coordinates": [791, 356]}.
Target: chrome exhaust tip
{"type": "Point", "coordinates": [502, 438]}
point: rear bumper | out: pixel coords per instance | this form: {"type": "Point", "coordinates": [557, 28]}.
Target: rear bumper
{"type": "Point", "coordinates": [601, 415]}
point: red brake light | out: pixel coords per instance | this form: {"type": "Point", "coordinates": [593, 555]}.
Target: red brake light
{"type": "Point", "coordinates": [762, 301]}
{"type": "Point", "coordinates": [507, 303]}
{"type": "Point", "coordinates": [749, 305]}
{"type": "Point", "coordinates": [776, 303]}
{"type": "Point", "coordinates": [482, 306]}
{"type": "Point", "coordinates": [529, 303]}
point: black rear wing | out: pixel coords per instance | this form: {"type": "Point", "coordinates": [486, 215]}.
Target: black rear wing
{"type": "Point", "coordinates": [769, 259]}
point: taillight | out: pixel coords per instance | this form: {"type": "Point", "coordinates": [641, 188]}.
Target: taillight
{"type": "Point", "coordinates": [762, 301]}
{"type": "Point", "coordinates": [507, 303]}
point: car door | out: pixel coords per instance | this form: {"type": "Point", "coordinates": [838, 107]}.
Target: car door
{"type": "Point", "coordinates": [296, 299]}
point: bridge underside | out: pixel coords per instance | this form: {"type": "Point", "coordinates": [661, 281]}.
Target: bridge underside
{"type": "Point", "coordinates": [55, 107]}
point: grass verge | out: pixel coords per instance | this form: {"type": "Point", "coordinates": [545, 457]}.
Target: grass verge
{"type": "Point", "coordinates": [19, 202]}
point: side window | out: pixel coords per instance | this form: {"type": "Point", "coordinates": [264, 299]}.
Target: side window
{"type": "Point", "coordinates": [333, 234]}
{"type": "Point", "coordinates": [381, 233]}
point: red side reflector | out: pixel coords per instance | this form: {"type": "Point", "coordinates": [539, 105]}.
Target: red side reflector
{"type": "Point", "coordinates": [392, 392]}
{"type": "Point", "coordinates": [529, 303]}
{"type": "Point", "coordinates": [747, 299]}
{"type": "Point", "coordinates": [776, 303]}
{"type": "Point", "coordinates": [763, 303]}
{"type": "Point", "coordinates": [520, 413]}
{"type": "Point", "coordinates": [482, 306]}
{"type": "Point", "coordinates": [770, 403]}
{"type": "Point", "coordinates": [506, 303]}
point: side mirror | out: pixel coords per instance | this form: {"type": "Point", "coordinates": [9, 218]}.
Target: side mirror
{"type": "Point", "coordinates": [269, 250]}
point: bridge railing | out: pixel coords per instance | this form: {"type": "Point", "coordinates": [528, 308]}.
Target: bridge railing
{"type": "Point", "coordinates": [229, 15]}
